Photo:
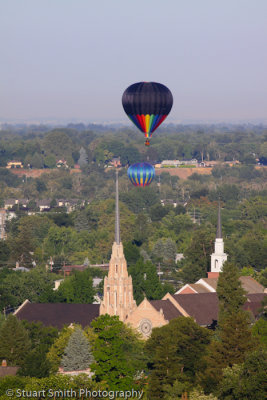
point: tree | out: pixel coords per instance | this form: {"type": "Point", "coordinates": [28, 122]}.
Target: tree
{"type": "Point", "coordinates": [175, 391]}
{"type": "Point", "coordinates": [230, 293]}
{"type": "Point", "coordinates": [157, 212]}
{"type": "Point", "coordinates": [37, 161]}
{"type": "Point", "coordinates": [35, 363]}
{"type": "Point", "coordinates": [4, 253]}
{"type": "Point", "coordinates": [18, 286]}
{"type": "Point", "coordinates": [197, 255]}
{"type": "Point", "coordinates": [83, 160]}
{"type": "Point", "coordinates": [234, 336]}
{"type": "Point", "coordinates": [176, 353]}
{"type": "Point", "coordinates": [118, 353]}
{"type": "Point", "coordinates": [50, 161]}
{"type": "Point", "coordinates": [164, 250]}
{"type": "Point", "coordinates": [77, 355]}
{"type": "Point", "coordinates": [131, 252]}
{"type": "Point", "coordinates": [56, 351]}
{"type": "Point", "coordinates": [259, 330]}
{"type": "Point", "coordinates": [40, 185]}
{"type": "Point", "coordinates": [14, 341]}
{"type": "Point", "coordinates": [78, 288]}
{"type": "Point", "coordinates": [146, 282]}
{"type": "Point", "coordinates": [245, 381]}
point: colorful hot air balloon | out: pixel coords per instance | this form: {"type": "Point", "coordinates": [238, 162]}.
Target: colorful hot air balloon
{"type": "Point", "coordinates": [147, 104]}
{"type": "Point", "coordinates": [141, 174]}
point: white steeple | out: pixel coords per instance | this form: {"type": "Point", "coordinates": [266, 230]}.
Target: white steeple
{"type": "Point", "coordinates": [218, 257]}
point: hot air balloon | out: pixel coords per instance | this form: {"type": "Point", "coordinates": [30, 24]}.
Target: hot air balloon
{"type": "Point", "coordinates": [141, 174]}
{"type": "Point", "coordinates": [147, 104]}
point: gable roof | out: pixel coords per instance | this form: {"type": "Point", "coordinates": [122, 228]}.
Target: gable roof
{"type": "Point", "coordinates": [203, 307]}
{"type": "Point", "coordinates": [169, 310]}
{"type": "Point", "coordinates": [250, 285]}
{"type": "Point", "coordinates": [199, 288]}
{"type": "Point", "coordinates": [210, 281]}
{"type": "Point", "coordinates": [58, 314]}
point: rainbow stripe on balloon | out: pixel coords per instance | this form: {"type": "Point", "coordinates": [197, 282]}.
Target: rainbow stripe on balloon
{"type": "Point", "coordinates": [147, 123]}
{"type": "Point", "coordinates": [141, 174]}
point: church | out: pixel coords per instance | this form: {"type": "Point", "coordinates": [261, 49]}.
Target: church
{"type": "Point", "coordinates": [198, 300]}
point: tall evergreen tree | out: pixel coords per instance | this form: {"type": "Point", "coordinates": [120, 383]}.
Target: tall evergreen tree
{"type": "Point", "coordinates": [176, 352]}
{"type": "Point", "coordinates": [77, 355]}
{"type": "Point", "coordinates": [14, 341]}
{"type": "Point", "coordinates": [230, 293]}
{"type": "Point", "coordinates": [83, 160]}
{"type": "Point", "coordinates": [234, 337]}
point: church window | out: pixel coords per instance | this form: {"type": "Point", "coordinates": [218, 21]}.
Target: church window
{"type": "Point", "coordinates": [216, 263]}
{"type": "Point", "coordinates": [116, 268]}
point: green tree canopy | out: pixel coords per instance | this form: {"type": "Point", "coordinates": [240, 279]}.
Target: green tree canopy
{"type": "Point", "coordinates": [77, 354]}
{"type": "Point", "coordinates": [176, 352]}
{"type": "Point", "coordinates": [14, 341]}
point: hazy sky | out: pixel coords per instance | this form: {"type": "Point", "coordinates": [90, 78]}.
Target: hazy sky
{"type": "Point", "coordinates": [65, 59]}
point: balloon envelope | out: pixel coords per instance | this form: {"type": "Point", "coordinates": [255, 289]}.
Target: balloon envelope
{"type": "Point", "coordinates": [141, 174]}
{"type": "Point", "coordinates": [147, 104]}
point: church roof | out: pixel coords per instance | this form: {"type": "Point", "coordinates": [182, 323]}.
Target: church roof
{"type": "Point", "coordinates": [250, 285]}
{"type": "Point", "coordinates": [203, 307]}
{"type": "Point", "coordinates": [210, 281]}
{"type": "Point", "coordinates": [199, 288]}
{"type": "Point", "coordinates": [58, 314]}
{"type": "Point", "coordinates": [169, 310]}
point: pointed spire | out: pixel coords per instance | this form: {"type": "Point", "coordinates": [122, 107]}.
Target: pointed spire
{"type": "Point", "coordinates": [117, 213]}
{"type": "Point", "coordinates": [219, 224]}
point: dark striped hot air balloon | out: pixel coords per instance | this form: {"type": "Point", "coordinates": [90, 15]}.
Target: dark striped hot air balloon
{"type": "Point", "coordinates": [147, 104]}
{"type": "Point", "coordinates": [141, 174]}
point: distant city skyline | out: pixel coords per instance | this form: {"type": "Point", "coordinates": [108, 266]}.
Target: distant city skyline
{"type": "Point", "coordinates": [70, 60]}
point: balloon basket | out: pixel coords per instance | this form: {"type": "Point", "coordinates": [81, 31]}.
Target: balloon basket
{"type": "Point", "coordinates": [147, 143]}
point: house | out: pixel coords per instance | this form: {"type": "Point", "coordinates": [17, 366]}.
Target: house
{"type": "Point", "coordinates": [10, 203]}
{"type": "Point", "coordinates": [62, 163]}
{"type": "Point", "coordinates": [178, 163]}
{"type": "Point", "coordinates": [116, 162]}
{"type": "Point", "coordinates": [68, 269]}
{"type": "Point", "coordinates": [169, 202]}
{"type": "Point", "coordinates": [14, 164]}
{"type": "Point", "coordinates": [43, 205]}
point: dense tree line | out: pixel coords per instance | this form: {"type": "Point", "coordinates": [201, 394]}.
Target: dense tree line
{"type": "Point", "coordinates": [180, 357]}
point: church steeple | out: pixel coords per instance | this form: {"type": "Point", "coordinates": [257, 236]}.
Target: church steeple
{"type": "Point", "coordinates": [118, 289]}
{"type": "Point", "coordinates": [117, 212]}
{"type": "Point", "coordinates": [219, 256]}
{"type": "Point", "coordinates": [219, 223]}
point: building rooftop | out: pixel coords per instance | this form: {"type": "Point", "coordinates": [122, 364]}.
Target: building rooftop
{"type": "Point", "coordinates": [58, 314]}
{"type": "Point", "coordinates": [169, 310]}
